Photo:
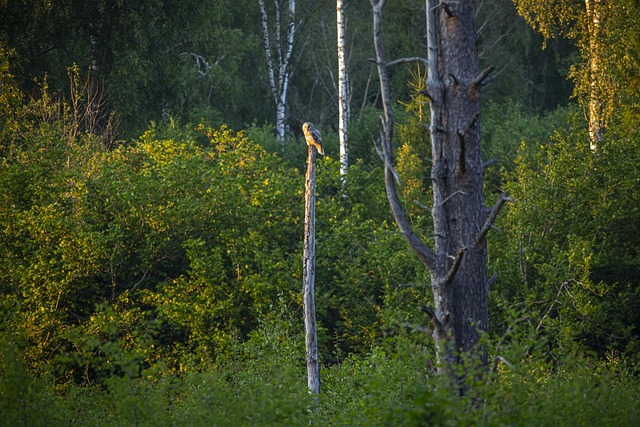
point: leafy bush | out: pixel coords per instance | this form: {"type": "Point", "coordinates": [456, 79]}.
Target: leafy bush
{"type": "Point", "coordinates": [569, 242]}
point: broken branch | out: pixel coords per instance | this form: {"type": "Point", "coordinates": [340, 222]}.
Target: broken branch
{"type": "Point", "coordinates": [413, 328]}
{"type": "Point", "coordinates": [456, 192]}
{"type": "Point", "coordinates": [383, 154]}
{"type": "Point", "coordinates": [491, 280]}
{"type": "Point", "coordinates": [493, 214]}
{"type": "Point", "coordinates": [456, 264]}
{"type": "Point", "coordinates": [489, 163]}
{"type": "Point", "coordinates": [425, 207]}
{"type": "Point", "coordinates": [462, 162]}
{"type": "Point", "coordinates": [479, 79]}
{"type": "Point", "coordinates": [399, 61]}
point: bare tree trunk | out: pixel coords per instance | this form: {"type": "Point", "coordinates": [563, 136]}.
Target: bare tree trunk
{"type": "Point", "coordinates": [343, 97]}
{"type": "Point", "coordinates": [309, 275]}
{"type": "Point", "coordinates": [279, 68]}
{"type": "Point", "coordinates": [457, 263]}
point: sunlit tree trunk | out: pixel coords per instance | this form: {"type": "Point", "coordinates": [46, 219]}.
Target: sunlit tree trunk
{"type": "Point", "coordinates": [601, 30]}
{"type": "Point", "coordinates": [594, 24]}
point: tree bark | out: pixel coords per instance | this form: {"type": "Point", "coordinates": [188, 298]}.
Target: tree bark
{"type": "Point", "coordinates": [457, 263]}
{"type": "Point", "coordinates": [343, 97]}
{"type": "Point", "coordinates": [279, 68]}
{"type": "Point", "coordinates": [309, 275]}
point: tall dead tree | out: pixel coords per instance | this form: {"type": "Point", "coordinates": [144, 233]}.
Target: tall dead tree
{"type": "Point", "coordinates": [457, 262]}
{"type": "Point", "coordinates": [309, 274]}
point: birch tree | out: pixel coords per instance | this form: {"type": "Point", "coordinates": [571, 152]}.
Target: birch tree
{"type": "Point", "coordinates": [343, 92]}
{"type": "Point", "coordinates": [278, 47]}
{"type": "Point", "coordinates": [457, 258]}
{"type": "Point", "coordinates": [603, 32]}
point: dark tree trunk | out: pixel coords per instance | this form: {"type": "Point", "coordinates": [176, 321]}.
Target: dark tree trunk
{"type": "Point", "coordinates": [460, 279]}
{"type": "Point", "coordinates": [457, 262]}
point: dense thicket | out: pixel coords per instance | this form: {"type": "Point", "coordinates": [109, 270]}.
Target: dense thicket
{"type": "Point", "coordinates": [176, 244]}
{"type": "Point", "coordinates": [150, 249]}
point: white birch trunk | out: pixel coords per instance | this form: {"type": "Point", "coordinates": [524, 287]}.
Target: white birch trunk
{"type": "Point", "coordinates": [267, 48]}
{"type": "Point", "coordinates": [281, 116]}
{"type": "Point", "coordinates": [343, 97]}
{"type": "Point", "coordinates": [279, 82]}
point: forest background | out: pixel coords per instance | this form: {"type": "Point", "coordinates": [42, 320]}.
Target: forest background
{"type": "Point", "coordinates": [151, 222]}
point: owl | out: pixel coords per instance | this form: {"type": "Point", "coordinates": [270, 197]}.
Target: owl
{"type": "Point", "coordinates": [312, 135]}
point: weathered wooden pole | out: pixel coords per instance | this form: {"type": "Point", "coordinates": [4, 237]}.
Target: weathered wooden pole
{"type": "Point", "coordinates": [309, 275]}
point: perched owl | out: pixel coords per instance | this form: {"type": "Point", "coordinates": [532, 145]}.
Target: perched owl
{"type": "Point", "coordinates": [312, 135]}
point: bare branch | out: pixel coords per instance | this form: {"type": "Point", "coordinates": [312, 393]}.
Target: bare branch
{"type": "Point", "coordinates": [492, 280]}
{"type": "Point", "coordinates": [484, 51]}
{"type": "Point", "coordinates": [412, 285]}
{"type": "Point", "coordinates": [486, 21]}
{"type": "Point", "coordinates": [144, 276]}
{"type": "Point", "coordinates": [456, 264]}
{"type": "Point", "coordinates": [493, 214]}
{"type": "Point", "coordinates": [366, 93]}
{"type": "Point", "coordinates": [462, 161]}
{"type": "Point", "coordinates": [384, 156]}
{"type": "Point", "coordinates": [413, 328]}
{"type": "Point", "coordinates": [556, 299]}
{"type": "Point", "coordinates": [425, 207]}
{"type": "Point", "coordinates": [456, 192]}
{"type": "Point", "coordinates": [472, 122]}
{"type": "Point", "coordinates": [409, 60]}
{"type": "Point", "coordinates": [489, 163]}
{"type": "Point", "coordinates": [480, 78]}
{"type": "Point", "coordinates": [388, 164]}
{"type": "Point", "coordinates": [429, 312]}
{"type": "Point", "coordinates": [424, 253]}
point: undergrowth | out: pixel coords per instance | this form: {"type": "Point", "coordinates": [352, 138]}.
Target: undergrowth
{"type": "Point", "coordinates": [264, 383]}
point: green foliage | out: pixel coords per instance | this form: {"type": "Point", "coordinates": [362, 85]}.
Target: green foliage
{"type": "Point", "coordinates": [25, 400]}
{"type": "Point", "coordinates": [11, 98]}
{"type": "Point", "coordinates": [604, 33]}
{"type": "Point", "coordinates": [263, 383]}
{"type": "Point", "coordinates": [525, 73]}
{"type": "Point", "coordinates": [569, 243]}
{"type": "Point", "coordinates": [165, 251]}
{"type": "Point", "coordinates": [509, 131]}
{"type": "Point", "coordinates": [157, 281]}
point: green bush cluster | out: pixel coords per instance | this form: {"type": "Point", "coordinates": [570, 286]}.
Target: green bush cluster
{"type": "Point", "coordinates": [263, 382]}
{"type": "Point", "coordinates": [569, 243]}
{"type": "Point", "coordinates": [175, 245]}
